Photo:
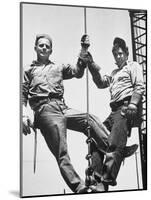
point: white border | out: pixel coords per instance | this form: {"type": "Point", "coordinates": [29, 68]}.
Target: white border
{"type": "Point", "coordinates": [9, 100]}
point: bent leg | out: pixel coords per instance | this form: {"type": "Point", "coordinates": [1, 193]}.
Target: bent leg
{"type": "Point", "coordinates": [117, 141]}
{"type": "Point", "coordinates": [77, 121]}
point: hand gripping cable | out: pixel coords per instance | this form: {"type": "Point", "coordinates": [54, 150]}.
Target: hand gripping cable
{"type": "Point", "coordinates": [89, 172]}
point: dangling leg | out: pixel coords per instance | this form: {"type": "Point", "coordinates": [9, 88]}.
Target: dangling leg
{"type": "Point", "coordinates": [52, 124]}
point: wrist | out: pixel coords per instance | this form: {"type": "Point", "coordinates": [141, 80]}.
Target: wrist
{"type": "Point", "coordinates": [135, 99]}
{"type": "Point", "coordinates": [131, 103]}
{"type": "Point", "coordinates": [132, 106]}
{"type": "Point", "coordinates": [81, 63]}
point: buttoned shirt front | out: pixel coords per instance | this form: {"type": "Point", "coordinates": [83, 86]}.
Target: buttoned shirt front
{"type": "Point", "coordinates": [47, 80]}
{"type": "Point", "coordinates": [122, 82]}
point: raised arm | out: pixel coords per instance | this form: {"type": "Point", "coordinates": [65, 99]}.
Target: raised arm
{"type": "Point", "coordinates": [95, 70]}
{"type": "Point", "coordinates": [78, 71]}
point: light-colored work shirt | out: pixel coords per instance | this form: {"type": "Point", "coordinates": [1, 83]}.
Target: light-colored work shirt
{"type": "Point", "coordinates": [122, 82]}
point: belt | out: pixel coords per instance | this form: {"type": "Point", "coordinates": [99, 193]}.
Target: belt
{"type": "Point", "coordinates": [38, 102]}
{"type": "Point", "coordinates": [115, 105]}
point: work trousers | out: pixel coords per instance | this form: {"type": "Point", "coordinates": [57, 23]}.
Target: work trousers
{"type": "Point", "coordinates": [118, 126]}
{"type": "Point", "coordinates": [53, 119]}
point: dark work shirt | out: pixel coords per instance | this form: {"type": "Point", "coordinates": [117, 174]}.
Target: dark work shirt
{"type": "Point", "coordinates": [46, 80]}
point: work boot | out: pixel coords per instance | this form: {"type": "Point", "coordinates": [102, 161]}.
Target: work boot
{"type": "Point", "coordinates": [99, 187]}
{"type": "Point", "coordinates": [113, 162]}
{"type": "Point", "coordinates": [111, 168]}
{"type": "Point", "coordinates": [83, 190]}
{"type": "Point", "coordinates": [106, 180]}
{"type": "Point", "coordinates": [130, 150]}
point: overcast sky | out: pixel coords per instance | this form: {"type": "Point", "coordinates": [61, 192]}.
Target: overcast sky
{"type": "Point", "coordinates": [66, 26]}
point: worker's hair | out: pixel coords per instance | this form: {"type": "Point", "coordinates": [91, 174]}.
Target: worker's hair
{"type": "Point", "coordinates": [39, 36]}
{"type": "Point", "coordinates": [119, 43]}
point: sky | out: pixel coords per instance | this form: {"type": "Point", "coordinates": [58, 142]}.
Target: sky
{"type": "Point", "coordinates": [66, 26]}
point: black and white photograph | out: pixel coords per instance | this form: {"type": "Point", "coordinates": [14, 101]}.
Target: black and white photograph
{"type": "Point", "coordinates": [83, 80]}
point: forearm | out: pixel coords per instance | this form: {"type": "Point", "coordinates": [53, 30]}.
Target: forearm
{"type": "Point", "coordinates": [99, 80]}
{"type": "Point", "coordinates": [25, 86]}
{"type": "Point", "coordinates": [80, 67]}
{"type": "Point", "coordinates": [136, 98]}
{"type": "Point", "coordinates": [25, 94]}
{"type": "Point", "coordinates": [25, 111]}
{"type": "Point", "coordinates": [138, 84]}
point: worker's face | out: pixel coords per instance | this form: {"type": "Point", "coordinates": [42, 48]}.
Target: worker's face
{"type": "Point", "coordinates": [43, 48]}
{"type": "Point", "coordinates": [120, 57]}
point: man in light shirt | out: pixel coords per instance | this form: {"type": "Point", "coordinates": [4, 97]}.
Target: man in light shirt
{"type": "Point", "coordinates": [126, 88]}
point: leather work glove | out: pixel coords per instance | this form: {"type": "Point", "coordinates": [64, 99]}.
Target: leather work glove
{"type": "Point", "coordinates": [27, 124]}
{"type": "Point", "coordinates": [86, 57]}
{"type": "Point", "coordinates": [85, 43]}
{"type": "Point", "coordinates": [131, 111]}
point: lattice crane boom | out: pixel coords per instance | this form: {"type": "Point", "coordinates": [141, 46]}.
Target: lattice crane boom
{"type": "Point", "coordinates": [138, 19]}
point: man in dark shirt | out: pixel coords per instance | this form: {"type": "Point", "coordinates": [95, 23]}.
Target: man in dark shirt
{"type": "Point", "coordinates": [43, 89]}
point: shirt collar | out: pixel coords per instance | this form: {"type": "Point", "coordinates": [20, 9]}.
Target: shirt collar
{"type": "Point", "coordinates": [124, 64]}
{"type": "Point", "coordinates": [37, 63]}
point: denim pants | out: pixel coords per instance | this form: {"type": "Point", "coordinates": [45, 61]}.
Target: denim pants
{"type": "Point", "coordinates": [53, 119]}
